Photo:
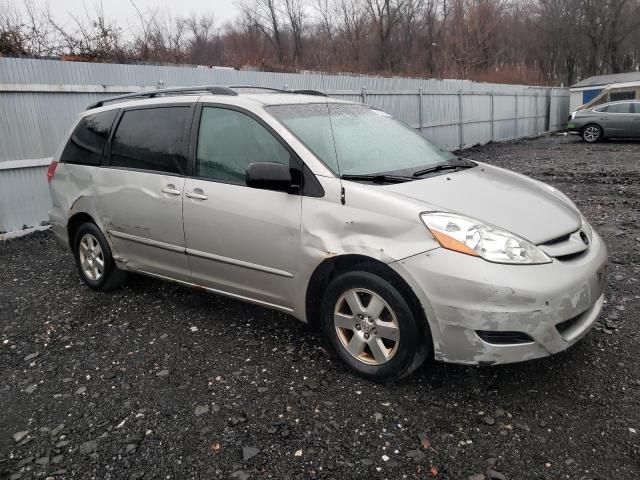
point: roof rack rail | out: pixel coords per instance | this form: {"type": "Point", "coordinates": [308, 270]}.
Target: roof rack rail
{"type": "Point", "coordinates": [310, 92]}
{"type": "Point", "coordinates": [212, 89]}
{"type": "Point", "coordinates": [253, 87]}
{"type": "Point", "coordinates": [279, 90]}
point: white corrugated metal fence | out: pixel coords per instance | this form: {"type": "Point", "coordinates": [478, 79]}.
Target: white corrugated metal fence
{"type": "Point", "coordinates": [40, 99]}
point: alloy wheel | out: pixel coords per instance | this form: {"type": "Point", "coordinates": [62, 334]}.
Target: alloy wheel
{"type": "Point", "coordinates": [91, 257]}
{"type": "Point", "coordinates": [366, 326]}
{"type": "Point", "coordinates": [591, 134]}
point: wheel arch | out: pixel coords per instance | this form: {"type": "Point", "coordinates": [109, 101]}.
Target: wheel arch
{"type": "Point", "coordinates": [74, 223]}
{"type": "Point", "coordinates": [334, 266]}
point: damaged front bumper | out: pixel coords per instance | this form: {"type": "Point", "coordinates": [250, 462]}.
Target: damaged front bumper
{"type": "Point", "coordinates": [487, 313]}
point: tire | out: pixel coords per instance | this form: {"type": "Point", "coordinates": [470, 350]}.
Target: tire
{"type": "Point", "coordinates": [90, 249]}
{"type": "Point", "coordinates": [385, 346]}
{"type": "Point", "coordinates": [592, 133]}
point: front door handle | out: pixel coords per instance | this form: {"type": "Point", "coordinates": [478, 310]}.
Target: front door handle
{"type": "Point", "coordinates": [197, 193]}
{"type": "Point", "coordinates": [171, 190]}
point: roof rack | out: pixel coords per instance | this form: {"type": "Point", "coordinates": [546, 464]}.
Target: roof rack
{"type": "Point", "coordinates": [310, 92]}
{"type": "Point", "coordinates": [279, 90]}
{"type": "Point", "coordinates": [252, 87]}
{"type": "Point", "coordinates": [214, 90]}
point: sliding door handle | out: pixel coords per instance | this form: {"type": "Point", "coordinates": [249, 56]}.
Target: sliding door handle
{"type": "Point", "coordinates": [197, 194]}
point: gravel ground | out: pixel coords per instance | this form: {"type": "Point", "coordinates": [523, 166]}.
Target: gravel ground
{"type": "Point", "coordinates": [160, 381]}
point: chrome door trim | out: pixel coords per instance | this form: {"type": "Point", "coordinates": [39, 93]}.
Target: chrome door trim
{"type": "Point", "coordinates": [146, 241]}
{"type": "Point", "coordinates": [216, 291]}
{"type": "Point", "coordinates": [239, 263]}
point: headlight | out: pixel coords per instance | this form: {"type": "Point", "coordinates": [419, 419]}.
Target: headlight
{"type": "Point", "coordinates": [473, 237]}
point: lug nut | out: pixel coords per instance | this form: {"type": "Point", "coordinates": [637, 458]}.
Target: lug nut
{"type": "Point", "coordinates": [366, 335]}
{"type": "Point", "coordinates": [357, 326]}
{"type": "Point", "coordinates": [360, 316]}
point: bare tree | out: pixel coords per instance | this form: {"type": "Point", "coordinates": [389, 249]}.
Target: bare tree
{"type": "Point", "coordinates": [385, 16]}
{"type": "Point", "coordinates": [353, 21]}
{"type": "Point", "coordinates": [524, 41]}
{"type": "Point", "coordinates": [608, 24]}
{"type": "Point", "coordinates": [325, 9]}
{"type": "Point", "coordinates": [266, 16]}
{"type": "Point", "coordinates": [91, 36]}
{"type": "Point", "coordinates": [203, 46]}
{"type": "Point", "coordinates": [294, 10]}
{"type": "Point", "coordinates": [411, 26]}
{"type": "Point", "coordinates": [13, 35]}
{"type": "Point", "coordinates": [435, 14]}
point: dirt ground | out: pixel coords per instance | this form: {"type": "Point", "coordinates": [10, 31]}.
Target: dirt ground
{"type": "Point", "coordinates": [160, 381]}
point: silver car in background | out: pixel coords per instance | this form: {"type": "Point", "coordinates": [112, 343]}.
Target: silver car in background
{"type": "Point", "coordinates": [609, 120]}
{"type": "Point", "coordinates": [334, 213]}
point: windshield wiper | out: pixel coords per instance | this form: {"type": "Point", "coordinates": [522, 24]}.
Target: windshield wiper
{"type": "Point", "coordinates": [441, 167]}
{"type": "Point", "coordinates": [377, 178]}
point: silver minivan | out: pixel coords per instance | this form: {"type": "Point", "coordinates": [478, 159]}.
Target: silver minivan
{"type": "Point", "coordinates": [332, 212]}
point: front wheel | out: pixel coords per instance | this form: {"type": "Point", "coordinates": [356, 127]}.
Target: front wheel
{"type": "Point", "coordinates": [592, 133]}
{"type": "Point", "coordinates": [370, 327]}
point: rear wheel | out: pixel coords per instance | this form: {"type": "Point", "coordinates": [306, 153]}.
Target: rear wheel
{"type": "Point", "coordinates": [94, 260]}
{"type": "Point", "coordinates": [592, 133]}
{"type": "Point", "coordinates": [370, 327]}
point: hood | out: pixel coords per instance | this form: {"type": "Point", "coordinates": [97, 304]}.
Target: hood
{"type": "Point", "coordinates": [508, 200]}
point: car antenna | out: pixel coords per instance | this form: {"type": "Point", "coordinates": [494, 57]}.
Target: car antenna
{"type": "Point", "coordinates": [343, 199]}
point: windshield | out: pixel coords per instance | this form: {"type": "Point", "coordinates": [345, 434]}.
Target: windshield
{"type": "Point", "coordinates": [366, 141]}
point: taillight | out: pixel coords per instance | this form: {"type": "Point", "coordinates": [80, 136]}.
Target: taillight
{"type": "Point", "coordinates": [51, 171]}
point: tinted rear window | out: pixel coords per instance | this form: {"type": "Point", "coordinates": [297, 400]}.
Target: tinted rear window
{"type": "Point", "coordinates": [152, 139]}
{"type": "Point", "coordinates": [88, 139]}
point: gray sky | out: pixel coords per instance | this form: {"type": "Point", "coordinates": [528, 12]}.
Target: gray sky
{"type": "Point", "coordinates": [123, 12]}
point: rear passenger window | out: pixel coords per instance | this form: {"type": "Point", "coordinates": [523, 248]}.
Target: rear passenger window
{"type": "Point", "coordinates": [620, 108]}
{"type": "Point", "coordinates": [229, 141]}
{"type": "Point", "coordinates": [88, 139]}
{"type": "Point", "coordinates": [152, 139]}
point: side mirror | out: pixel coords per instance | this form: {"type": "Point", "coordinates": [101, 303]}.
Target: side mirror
{"type": "Point", "coordinates": [269, 176]}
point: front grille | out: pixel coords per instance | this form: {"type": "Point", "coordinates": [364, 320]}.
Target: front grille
{"type": "Point", "coordinates": [503, 338]}
{"type": "Point", "coordinates": [554, 241]}
{"type": "Point", "coordinates": [569, 246]}
{"type": "Point", "coordinates": [571, 256]}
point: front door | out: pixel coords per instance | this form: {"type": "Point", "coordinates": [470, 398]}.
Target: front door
{"type": "Point", "coordinates": [140, 190]}
{"type": "Point", "coordinates": [240, 241]}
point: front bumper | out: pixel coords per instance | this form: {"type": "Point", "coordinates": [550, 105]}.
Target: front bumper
{"type": "Point", "coordinates": [464, 295]}
{"type": "Point", "coordinates": [574, 128]}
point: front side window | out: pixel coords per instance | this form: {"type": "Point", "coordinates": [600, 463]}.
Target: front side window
{"type": "Point", "coordinates": [152, 139]}
{"type": "Point", "coordinates": [88, 139]}
{"type": "Point", "coordinates": [356, 140]}
{"type": "Point", "coordinates": [228, 141]}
